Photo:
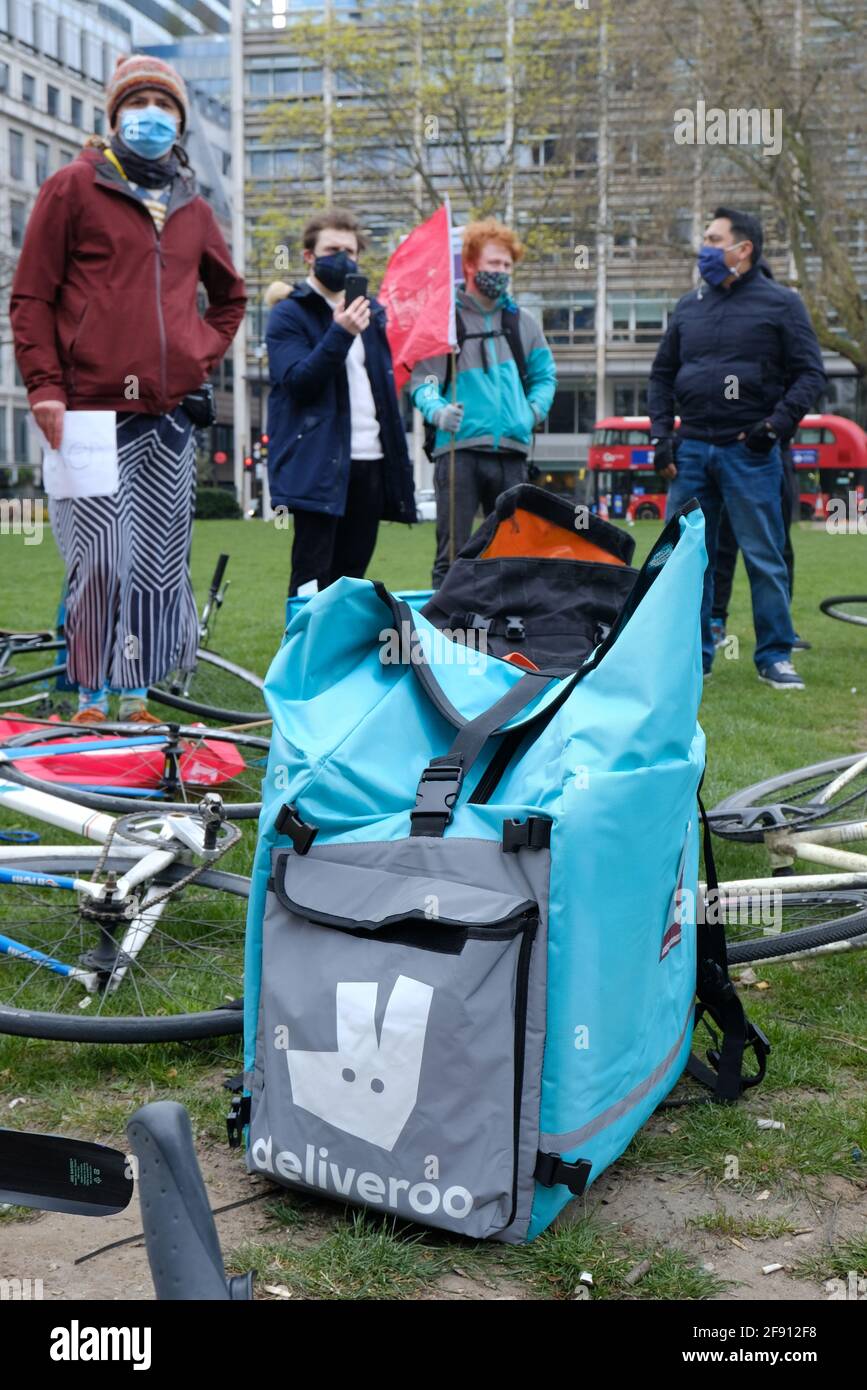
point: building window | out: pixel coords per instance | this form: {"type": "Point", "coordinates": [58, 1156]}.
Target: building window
{"type": "Point", "coordinates": [52, 100]}
{"type": "Point", "coordinates": [42, 154]}
{"type": "Point", "coordinates": [285, 82]}
{"type": "Point", "coordinates": [17, 219]}
{"type": "Point", "coordinates": [260, 84]}
{"type": "Point", "coordinates": [67, 156]}
{"type": "Point", "coordinates": [4, 452]}
{"type": "Point", "coordinates": [16, 154]}
{"type": "Point", "coordinates": [4, 77]}
{"type": "Point", "coordinates": [28, 88]}
{"type": "Point", "coordinates": [76, 111]}
{"type": "Point", "coordinates": [630, 398]}
{"type": "Point", "coordinates": [261, 164]}
{"type": "Point", "coordinates": [98, 121]}
{"type": "Point", "coordinates": [571, 321]}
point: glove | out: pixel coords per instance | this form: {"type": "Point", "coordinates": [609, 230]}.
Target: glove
{"type": "Point", "coordinates": [761, 438]}
{"type": "Point", "coordinates": [663, 451]}
{"type": "Point", "coordinates": [201, 406]}
{"type": "Point", "coordinates": [449, 418]}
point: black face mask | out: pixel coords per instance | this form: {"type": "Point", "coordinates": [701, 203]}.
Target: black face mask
{"type": "Point", "coordinates": [331, 271]}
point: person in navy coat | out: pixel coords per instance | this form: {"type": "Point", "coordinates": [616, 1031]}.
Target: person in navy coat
{"type": "Point", "coordinates": [337, 453]}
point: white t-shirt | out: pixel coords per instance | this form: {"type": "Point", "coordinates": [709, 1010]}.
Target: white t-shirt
{"type": "Point", "coordinates": [364, 426]}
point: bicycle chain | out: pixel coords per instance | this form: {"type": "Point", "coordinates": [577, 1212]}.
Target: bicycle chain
{"type": "Point", "coordinates": [194, 873]}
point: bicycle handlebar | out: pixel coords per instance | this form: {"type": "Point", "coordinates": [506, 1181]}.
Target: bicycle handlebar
{"type": "Point", "coordinates": [217, 580]}
{"type": "Point", "coordinates": [182, 1242]}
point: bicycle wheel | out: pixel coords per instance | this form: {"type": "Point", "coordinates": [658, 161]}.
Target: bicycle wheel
{"type": "Point", "coordinates": [29, 676]}
{"type": "Point", "coordinates": [168, 766]}
{"type": "Point", "coordinates": [841, 608]}
{"type": "Point", "coordinates": [185, 983]}
{"type": "Point", "coordinates": [792, 800]}
{"type": "Point", "coordinates": [215, 688]}
{"type": "Point", "coordinates": [767, 925]}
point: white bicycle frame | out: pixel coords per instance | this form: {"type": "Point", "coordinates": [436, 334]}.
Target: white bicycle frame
{"type": "Point", "coordinates": [98, 827]}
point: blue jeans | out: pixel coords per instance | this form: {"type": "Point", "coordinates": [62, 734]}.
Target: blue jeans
{"type": "Point", "coordinates": [749, 485]}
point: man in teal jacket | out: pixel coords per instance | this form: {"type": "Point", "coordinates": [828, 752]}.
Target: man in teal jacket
{"type": "Point", "coordinates": [505, 385]}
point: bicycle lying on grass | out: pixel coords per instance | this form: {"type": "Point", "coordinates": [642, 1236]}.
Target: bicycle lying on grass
{"type": "Point", "coordinates": [848, 608]}
{"type": "Point", "coordinates": [809, 814]}
{"type": "Point", "coordinates": [33, 672]}
{"type": "Point", "coordinates": [136, 937]}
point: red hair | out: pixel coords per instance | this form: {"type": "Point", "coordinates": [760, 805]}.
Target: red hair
{"type": "Point", "coordinates": [478, 234]}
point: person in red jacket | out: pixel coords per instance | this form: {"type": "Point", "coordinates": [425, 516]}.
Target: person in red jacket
{"type": "Point", "coordinates": [105, 317]}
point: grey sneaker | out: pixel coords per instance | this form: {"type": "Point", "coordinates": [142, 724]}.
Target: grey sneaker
{"type": "Point", "coordinates": [781, 675]}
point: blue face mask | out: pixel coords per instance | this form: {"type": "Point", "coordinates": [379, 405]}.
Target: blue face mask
{"type": "Point", "coordinates": [712, 264]}
{"type": "Point", "coordinates": [148, 131]}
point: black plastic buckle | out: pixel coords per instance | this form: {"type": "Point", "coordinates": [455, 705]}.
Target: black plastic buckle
{"type": "Point", "coordinates": [475, 620]}
{"type": "Point", "coordinates": [515, 628]}
{"type": "Point", "coordinates": [300, 833]}
{"type": "Point", "coordinates": [532, 833]}
{"type": "Point", "coordinates": [237, 1120]}
{"type": "Point", "coordinates": [552, 1171]}
{"type": "Point", "coordinates": [437, 793]}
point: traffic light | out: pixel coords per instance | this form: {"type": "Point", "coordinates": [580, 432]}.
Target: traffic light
{"type": "Point", "coordinates": [248, 462]}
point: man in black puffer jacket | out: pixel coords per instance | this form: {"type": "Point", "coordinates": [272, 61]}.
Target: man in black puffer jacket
{"type": "Point", "coordinates": [742, 359]}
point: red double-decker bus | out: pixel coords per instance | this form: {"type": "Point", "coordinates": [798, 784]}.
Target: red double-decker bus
{"type": "Point", "coordinates": [622, 479]}
{"type": "Point", "coordinates": [829, 453]}
{"type": "Point", "coordinates": [830, 457]}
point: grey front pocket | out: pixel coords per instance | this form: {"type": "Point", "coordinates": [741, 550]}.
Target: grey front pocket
{"type": "Point", "coordinates": [391, 1041]}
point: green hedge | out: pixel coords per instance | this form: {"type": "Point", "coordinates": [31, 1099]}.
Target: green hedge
{"type": "Point", "coordinates": [216, 503]}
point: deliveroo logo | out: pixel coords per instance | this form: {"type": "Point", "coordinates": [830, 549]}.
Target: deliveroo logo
{"type": "Point", "coordinates": [369, 1086]}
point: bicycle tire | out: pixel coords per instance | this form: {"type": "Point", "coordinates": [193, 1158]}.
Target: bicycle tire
{"type": "Point", "coordinates": [811, 938]}
{"type": "Point", "coordinates": [829, 608]}
{"type": "Point", "coordinates": [81, 1028]}
{"type": "Point", "coordinates": [101, 801]}
{"type": "Point", "coordinates": [207, 710]}
{"type": "Point", "coordinates": [748, 797]}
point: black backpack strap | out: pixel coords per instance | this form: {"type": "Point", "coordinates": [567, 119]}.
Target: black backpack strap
{"type": "Point", "coordinates": [719, 1000]}
{"type": "Point", "coordinates": [440, 784]}
{"type": "Point", "coordinates": [511, 321]}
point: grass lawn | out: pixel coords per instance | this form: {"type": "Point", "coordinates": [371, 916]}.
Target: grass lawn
{"type": "Point", "coordinates": [813, 1011]}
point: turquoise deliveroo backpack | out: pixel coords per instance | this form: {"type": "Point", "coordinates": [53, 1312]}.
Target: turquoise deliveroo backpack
{"type": "Point", "coordinates": [472, 954]}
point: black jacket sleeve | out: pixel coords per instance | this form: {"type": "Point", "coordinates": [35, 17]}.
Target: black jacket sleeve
{"type": "Point", "coordinates": [303, 370]}
{"type": "Point", "coordinates": [805, 371]}
{"type": "Point", "coordinates": [660, 394]}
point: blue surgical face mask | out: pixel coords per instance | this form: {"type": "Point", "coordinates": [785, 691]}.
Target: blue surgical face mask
{"type": "Point", "coordinates": [148, 131]}
{"type": "Point", "coordinates": [712, 264]}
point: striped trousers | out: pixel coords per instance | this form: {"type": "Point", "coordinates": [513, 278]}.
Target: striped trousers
{"type": "Point", "coordinates": [130, 613]}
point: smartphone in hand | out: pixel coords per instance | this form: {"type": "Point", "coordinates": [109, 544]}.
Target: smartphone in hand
{"type": "Point", "coordinates": [355, 288]}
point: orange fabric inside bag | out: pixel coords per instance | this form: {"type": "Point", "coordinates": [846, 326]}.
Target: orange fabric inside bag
{"type": "Point", "coordinates": [525, 534]}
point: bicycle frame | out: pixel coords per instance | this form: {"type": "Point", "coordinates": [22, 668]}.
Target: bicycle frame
{"type": "Point", "coordinates": [99, 827]}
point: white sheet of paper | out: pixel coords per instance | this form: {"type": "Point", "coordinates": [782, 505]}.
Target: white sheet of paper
{"type": "Point", "coordinates": [85, 465]}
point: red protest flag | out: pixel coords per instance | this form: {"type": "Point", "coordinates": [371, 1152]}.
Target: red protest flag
{"type": "Point", "coordinates": [418, 293]}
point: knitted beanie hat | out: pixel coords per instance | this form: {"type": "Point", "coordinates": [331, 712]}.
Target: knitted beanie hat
{"type": "Point", "coordinates": [141, 70]}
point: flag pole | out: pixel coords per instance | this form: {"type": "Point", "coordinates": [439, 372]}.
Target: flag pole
{"type": "Point", "coordinates": [454, 376]}
{"type": "Point", "coordinates": [454, 381]}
